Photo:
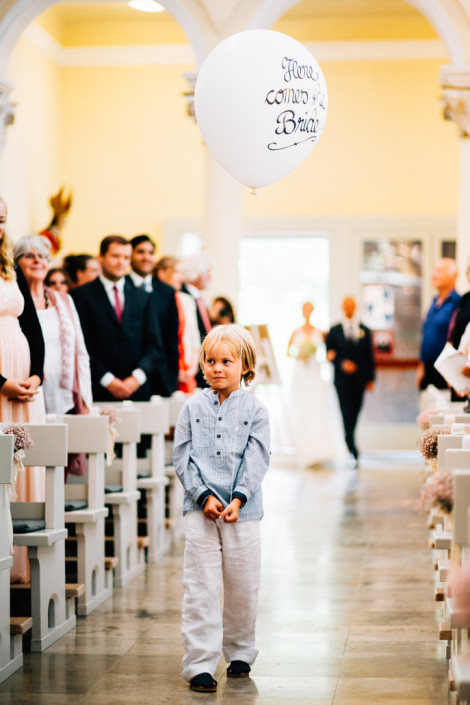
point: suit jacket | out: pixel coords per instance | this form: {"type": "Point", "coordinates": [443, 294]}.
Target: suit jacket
{"type": "Point", "coordinates": [462, 319]}
{"type": "Point", "coordinates": [200, 381]}
{"type": "Point", "coordinates": [115, 347]}
{"type": "Point", "coordinates": [200, 322]}
{"type": "Point", "coordinates": [164, 380]}
{"type": "Point", "coordinates": [359, 351]}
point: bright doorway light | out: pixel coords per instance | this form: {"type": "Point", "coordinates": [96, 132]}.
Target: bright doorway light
{"type": "Point", "coordinates": [146, 5]}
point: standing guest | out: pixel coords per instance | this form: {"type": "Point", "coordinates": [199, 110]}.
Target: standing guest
{"type": "Point", "coordinates": [349, 348]}
{"type": "Point", "coordinates": [58, 279]}
{"type": "Point", "coordinates": [221, 312]}
{"type": "Point", "coordinates": [81, 268]}
{"type": "Point", "coordinates": [461, 316]}
{"type": "Point", "coordinates": [221, 456]}
{"type": "Point", "coordinates": [197, 275]}
{"type": "Point", "coordinates": [20, 374]}
{"type": "Point", "coordinates": [165, 377]}
{"type": "Point", "coordinates": [169, 270]}
{"type": "Point", "coordinates": [118, 322]}
{"type": "Point", "coordinates": [437, 323]}
{"type": "Point", "coordinates": [66, 365]}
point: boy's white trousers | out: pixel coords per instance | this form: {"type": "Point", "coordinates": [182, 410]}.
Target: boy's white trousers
{"type": "Point", "coordinates": [217, 553]}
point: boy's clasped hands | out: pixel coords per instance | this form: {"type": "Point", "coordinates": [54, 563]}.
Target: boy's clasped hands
{"type": "Point", "coordinates": [213, 509]}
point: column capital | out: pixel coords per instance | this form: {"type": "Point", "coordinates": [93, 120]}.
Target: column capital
{"type": "Point", "coordinates": [455, 82]}
{"type": "Point", "coordinates": [7, 110]}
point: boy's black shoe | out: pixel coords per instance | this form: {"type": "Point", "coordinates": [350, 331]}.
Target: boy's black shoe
{"type": "Point", "coordinates": [203, 683]}
{"type": "Point", "coordinates": [238, 669]}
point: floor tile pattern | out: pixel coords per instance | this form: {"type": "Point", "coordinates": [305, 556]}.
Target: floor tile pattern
{"type": "Point", "coordinates": [346, 613]}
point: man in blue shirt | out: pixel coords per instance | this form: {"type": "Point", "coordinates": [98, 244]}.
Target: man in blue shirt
{"type": "Point", "coordinates": [436, 326]}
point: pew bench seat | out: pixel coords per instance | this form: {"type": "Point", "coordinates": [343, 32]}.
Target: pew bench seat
{"type": "Point", "coordinates": [20, 625]}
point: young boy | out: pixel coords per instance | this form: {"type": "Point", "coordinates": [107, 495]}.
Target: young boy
{"type": "Point", "coordinates": [221, 456]}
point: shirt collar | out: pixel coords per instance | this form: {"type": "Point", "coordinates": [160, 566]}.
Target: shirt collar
{"type": "Point", "coordinates": [193, 290]}
{"type": "Point", "coordinates": [139, 281]}
{"type": "Point", "coordinates": [109, 285]}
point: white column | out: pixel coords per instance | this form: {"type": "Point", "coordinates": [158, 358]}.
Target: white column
{"type": "Point", "coordinates": [7, 110]}
{"type": "Point", "coordinates": [223, 228]}
{"type": "Point", "coordinates": [455, 82]}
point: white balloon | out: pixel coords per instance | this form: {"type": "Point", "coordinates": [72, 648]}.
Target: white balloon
{"type": "Point", "coordinates": [261, 102]}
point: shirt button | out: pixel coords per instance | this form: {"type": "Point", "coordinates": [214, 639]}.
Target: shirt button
{"type": "Point", "coordinates": [218, 452]}
{"type": "Point", "coordinates": [246, 423]}
{"type": "Point", "coordinates": [216, 402]}
{"type": "Point", "coordinates": [220, 418]}
{"type": "Point", "coordinates": [197, 420]}
{"type": "Point", "coordinates": [218, 435]}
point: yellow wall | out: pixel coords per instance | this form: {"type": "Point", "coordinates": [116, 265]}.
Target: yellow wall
{"type": "Point", "coordinates": [31, 167]}
{"type": "Point", "coordinates": [385, 149]}
{"type": "Point", "coordinates": [119, 137]}
{"type": "Point", "coordinates": [133, 156]}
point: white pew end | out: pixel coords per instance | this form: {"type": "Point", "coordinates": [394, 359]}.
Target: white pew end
{"type": "Point", "coordinates": [50, 609]}
{"type": "Point", "coordinates": [121, 527]}
{"type": "Point", "coordinates": [151, 478]}
{"type": "Point", "coordinates": [11, 647]}
{"type": "Point", "coordinates": [86, 566]}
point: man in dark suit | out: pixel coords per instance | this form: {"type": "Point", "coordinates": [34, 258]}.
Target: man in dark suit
{"type": "Point", "coordinates": [197, 275]}
{"type": "Point", "coordinates": [118, 323]}
{"type": "Point", "coordinates": [164, 380]}
{"type": "Point", "coordinates": [349, 348]}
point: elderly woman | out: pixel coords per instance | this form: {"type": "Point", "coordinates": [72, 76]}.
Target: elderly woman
{"type": "Point", "coordinates": [67, 385]}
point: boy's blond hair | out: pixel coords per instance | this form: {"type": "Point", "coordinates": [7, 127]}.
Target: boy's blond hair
{"type": "Point", "coordinates": [240, 342]}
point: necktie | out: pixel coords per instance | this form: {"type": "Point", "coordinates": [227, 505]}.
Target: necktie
{"type": "Point", "coordinates": [117, 304]}
{"type": "Point", "coordinates": [204, 314]}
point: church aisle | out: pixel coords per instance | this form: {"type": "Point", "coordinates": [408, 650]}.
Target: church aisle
{"type": "Point", "coordinates": [346, 613]}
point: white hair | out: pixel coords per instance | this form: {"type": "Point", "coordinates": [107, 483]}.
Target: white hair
{"type": "Point", "coordinates": [197, 265]}
{"type": "Point", "coordinates": [32, 242]}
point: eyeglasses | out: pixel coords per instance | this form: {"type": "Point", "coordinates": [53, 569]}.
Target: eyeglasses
{"type": "Point", "coordinates": [34, 255]}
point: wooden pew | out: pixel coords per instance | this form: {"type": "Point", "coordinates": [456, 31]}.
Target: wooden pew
{"type": "Point", "coordinates": [151, 478]}
{"type": "Point", "coordinates": [11, 647]}
{"type": "Point", "coordinates": [85, 545]}
{"type": "Point", "coordinates": [52, 612]}
{"type": "Point", "coordinates": [121, 526]}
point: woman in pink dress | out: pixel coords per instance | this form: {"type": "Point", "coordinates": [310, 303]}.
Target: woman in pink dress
{"type": "Point", "coordinates": [20, 395]}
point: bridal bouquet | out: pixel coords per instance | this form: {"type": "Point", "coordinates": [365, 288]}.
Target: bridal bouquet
{"type": "Point", "coordinates": [437, 493]}
{"type": "Point", "coordinates": [113, 419]}
{"type": "Point", "coordinates": [22, 440]}
{"type": "Point", "coordinates": [307, 349]}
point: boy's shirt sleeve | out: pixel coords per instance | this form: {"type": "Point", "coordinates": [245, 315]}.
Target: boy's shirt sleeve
{"type": "Point", "coordinates": [185, 468]}
{"type": "Point", "coordinates": [255, 462]}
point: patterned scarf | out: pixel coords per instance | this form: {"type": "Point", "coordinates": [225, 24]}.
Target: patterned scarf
{"type": "Point", "coordinates": [67, 337]}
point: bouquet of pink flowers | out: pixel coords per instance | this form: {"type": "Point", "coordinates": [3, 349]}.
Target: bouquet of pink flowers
{"type": "Point", "coordinates": [437, 493]}
{"type": "Point", "coordinates": [22, 440]}
{"type": "Point", "coordinates": [428, 444]}
{"type": "Point", "coordinates": [423, 418]}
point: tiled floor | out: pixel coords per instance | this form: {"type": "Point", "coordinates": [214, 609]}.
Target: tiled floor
{"type": "Point", "coordinates": [346, 611]}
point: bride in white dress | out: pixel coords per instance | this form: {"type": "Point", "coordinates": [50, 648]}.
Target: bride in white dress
{"type": "Point", "coordinates": [314, 411]}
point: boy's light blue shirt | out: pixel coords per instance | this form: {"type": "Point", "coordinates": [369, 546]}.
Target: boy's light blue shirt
{"type": "Point", "coordinates": [223, 449]}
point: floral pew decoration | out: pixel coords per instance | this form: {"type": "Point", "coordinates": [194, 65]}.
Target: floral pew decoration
{"type": "Point", "coordinates": [437, 493]}
{"type": "Point", "coordinates": [22, 441]}
{"type": "Point", "coordinates": [428, 445]}
{"type": "Point", "coordinates": [423, 418]}
{"type": "Point", "coordinates": [113, 420]}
